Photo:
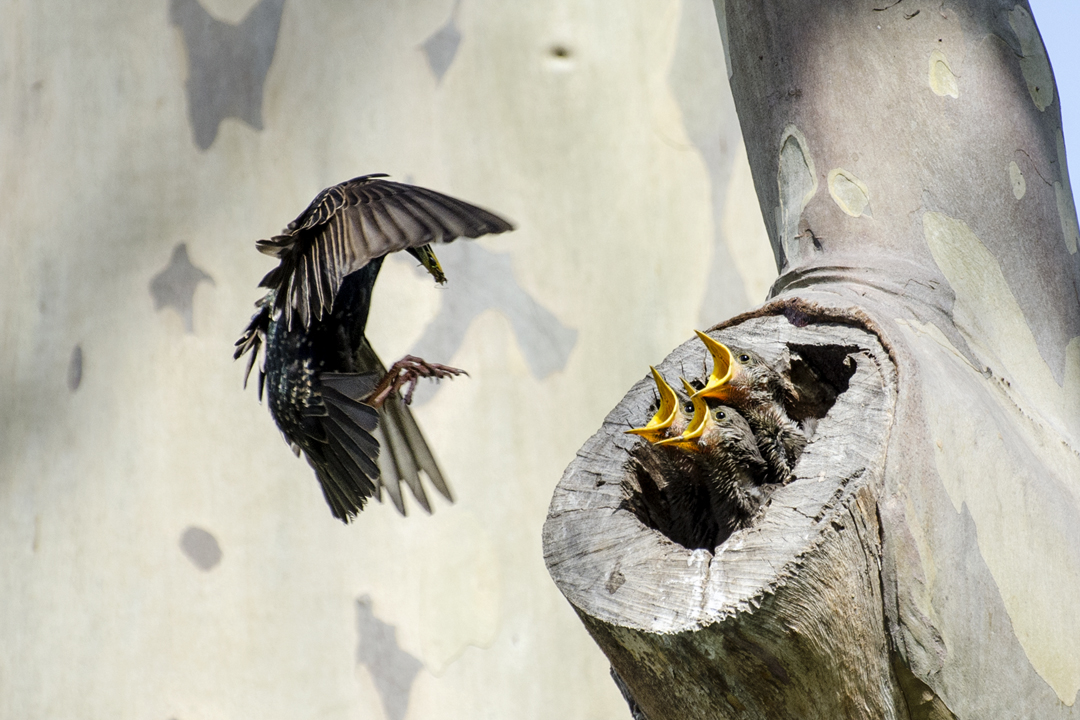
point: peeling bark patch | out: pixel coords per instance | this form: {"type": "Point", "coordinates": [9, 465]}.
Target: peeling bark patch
{"type": "Point", "coordinates": [1007, 451]}
{"type": "Point", "coordinates": [1065, 203]}
{"type": "Point", "coordinates": [227, 64]}
{"type": "Point", "coordinates": [798, 184]}
{"type": "Point", "coordinates": [942, 80]}
{"type": "Point", "coordinates": [175, 286]}
{"type": "Point", "coordinates": [75, 368]}
{"type": "Point", "coordinates": [1034, 64]}
{"type": "Point", "coordinates": [615, 580]}
{"type": "Point", "coordinates": [987, 314]}
{"type": "Point", "coordinates": [1016, 179]}
{"type": "Point", "coordinates": [201, 548]}
{"type": "Point", "coordinates": [441, 48]}
{"type": "Point", "coordinates": [1002, 464]}
{"type": "Point", "coordinates": [849, 192]}
{"type": "Point", "coordinates": [484, 280]}
{"type": "Point", "coordinates": [392, 669]}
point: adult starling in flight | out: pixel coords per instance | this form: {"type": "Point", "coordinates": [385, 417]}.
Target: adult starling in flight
{"type": "Point", "coordinates": [327, 390]}
{"type": "Point", "coordinates": [741, 379]}
{"type": "Point", "coordinates": [722, 444]}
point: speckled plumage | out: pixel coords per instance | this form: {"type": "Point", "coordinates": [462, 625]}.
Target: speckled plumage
{"type": "Point", "coordinates": [758, 392]}
{"type": "Point", "coordinates": [730, 461]}
{"type": "Point", "coordinates": [320, 373]}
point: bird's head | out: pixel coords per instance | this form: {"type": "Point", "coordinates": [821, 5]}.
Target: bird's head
{"type": "Point", "coordinates": [734, 370]}
{"type": "Point", "coordinates": [689, 438]}
{"type": "Point", "coordinates": [725, 427]}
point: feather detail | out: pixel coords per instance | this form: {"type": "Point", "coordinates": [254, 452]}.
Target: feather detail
{"type": "Point", "coordinates": [349, 225]}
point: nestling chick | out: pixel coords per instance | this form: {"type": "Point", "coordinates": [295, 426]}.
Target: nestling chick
{"type": "Point", "coordinates": [671, 484]}
{"type": "Point", "coordinates": [742, 380]}
{"type": "Point", "coordinates": [719, 440]}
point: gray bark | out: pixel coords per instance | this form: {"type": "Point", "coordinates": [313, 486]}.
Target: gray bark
{"type": "Point", "coordinates": [909, 160]}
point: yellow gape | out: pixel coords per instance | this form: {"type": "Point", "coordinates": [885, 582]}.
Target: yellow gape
{"type": "Point", "coordinates": [724, 366]}
{"type": "Point", "coordinates": [697, 423]}
{"type": "Point", "coordinates": [661, 421]}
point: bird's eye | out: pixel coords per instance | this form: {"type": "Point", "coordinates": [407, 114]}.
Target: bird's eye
{"type": "Point", "coordinates": [688, 407]}
{"type": "Point", "coordinates": [744, 358]}
{"type": "Point", "coordinates": [720, 415]}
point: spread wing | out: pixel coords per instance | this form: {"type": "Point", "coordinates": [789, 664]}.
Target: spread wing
{"type": "Point", "coordinates": [349, 225]}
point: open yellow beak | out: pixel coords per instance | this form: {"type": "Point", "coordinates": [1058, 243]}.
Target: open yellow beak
{"type": "Point", "coordinates": [724, 367]}
{"type": "Point", "coordinates": [697, 423]}
{"type": "Point", "coordinates": [661, 421]}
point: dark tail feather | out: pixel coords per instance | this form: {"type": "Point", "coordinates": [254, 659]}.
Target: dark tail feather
{"type": "Point", "coordinates": [404, 452]}
{"type": "Point", "coordinates": [345, 460]}
{"type": "Point", "coordinates": [403, 466]}
{"type": "Point", "coordinates": [410, 452]}
{"type": "Point", "coordinates": [420, 451]}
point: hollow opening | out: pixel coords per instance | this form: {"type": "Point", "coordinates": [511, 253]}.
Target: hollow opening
{"type": "Point", "coordinates": [669, 491]}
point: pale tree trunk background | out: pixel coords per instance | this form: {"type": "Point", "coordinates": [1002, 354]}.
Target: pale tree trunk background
{"type": "Point", "coordinates": [910, 162]}
{"type": "Point", "coordinates": [162, 553]}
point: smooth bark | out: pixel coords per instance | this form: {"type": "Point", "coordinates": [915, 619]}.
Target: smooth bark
{"type": "Point", "coordinates": [910, 165]}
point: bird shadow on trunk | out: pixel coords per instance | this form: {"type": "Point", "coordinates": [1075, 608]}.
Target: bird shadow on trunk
{"type": "Point", "coordinates": [677, 504]}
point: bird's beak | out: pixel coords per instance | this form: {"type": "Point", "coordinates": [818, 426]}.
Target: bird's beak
{"type": "Point", "coordinates": [427, 258]}
{"type": "Point", "coordinates": [697, 423]}
{"type": "Point", "coordinates": [724, 368]}
{"type": "Point", "coordinates": [664, 416]}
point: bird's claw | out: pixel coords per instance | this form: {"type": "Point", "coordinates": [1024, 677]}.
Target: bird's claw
{"type": "Point", "coordinates": [407, 372]}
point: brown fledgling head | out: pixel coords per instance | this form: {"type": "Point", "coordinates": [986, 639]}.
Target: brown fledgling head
{"type": "Point", "coordinates": [726, 431]}
{"type": "Point", "coordinates": [659, 426]}
{"type": "Point", "coordinates": [739, 376]}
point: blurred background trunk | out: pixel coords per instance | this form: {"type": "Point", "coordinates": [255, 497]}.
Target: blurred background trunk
{"type": "Point", "coordinates": [163, 554]}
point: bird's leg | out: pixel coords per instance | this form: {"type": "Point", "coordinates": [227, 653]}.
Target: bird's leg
{"type": "Point", "coordinates": [407, 371]}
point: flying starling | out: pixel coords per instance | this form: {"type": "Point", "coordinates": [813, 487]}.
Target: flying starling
{"type": "Point", "coordinates": [741, 379]}
{"type": "Point", "coordinates": [327, 390]}
{"type": "Point", "coordinates": [722, 444]}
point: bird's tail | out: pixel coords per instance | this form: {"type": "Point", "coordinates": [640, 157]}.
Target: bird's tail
{"type": "Point", "coordinates": [403, 451]}
{"type": "Point", "coordinates": [406, 454]}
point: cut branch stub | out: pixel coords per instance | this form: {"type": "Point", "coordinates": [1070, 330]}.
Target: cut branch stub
{"type": "Point", "coordinates": [785, 613]}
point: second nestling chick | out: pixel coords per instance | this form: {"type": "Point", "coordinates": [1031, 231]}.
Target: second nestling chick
{"type": "Point", "coordinates": [742, 379]}
{"type": "Point", "coordinates": [720, 442]}
{"type": "Point", "coordinates": [671, 493]}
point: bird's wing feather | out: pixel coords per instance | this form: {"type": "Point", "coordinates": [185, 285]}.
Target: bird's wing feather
{"type": "Point", "coordinates": [345, 460]}
{"type": "Point", "coordinates": [254, 338]}
{"type": "Point", "coordinates": [404, 453]}
{"type": "Point", "coordinates": [350, 224]}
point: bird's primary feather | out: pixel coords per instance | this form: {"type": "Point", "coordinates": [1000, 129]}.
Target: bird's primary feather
{"type": "Point", "coordinates": [348, 225]}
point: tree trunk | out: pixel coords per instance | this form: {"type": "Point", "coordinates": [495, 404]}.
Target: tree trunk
{"type": "Point", "coordinates": [924, 562]}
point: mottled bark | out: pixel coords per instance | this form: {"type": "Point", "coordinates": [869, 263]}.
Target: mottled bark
{"type": "Point", "coordinates": [909, 161]}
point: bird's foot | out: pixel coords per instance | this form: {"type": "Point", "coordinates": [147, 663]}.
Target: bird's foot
{"type": "Point", "coordinates": [407, 372]}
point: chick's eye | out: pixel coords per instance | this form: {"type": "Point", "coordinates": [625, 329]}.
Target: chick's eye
{"type": "Point", "coordinates": [688, 407]}
{"type": "Point", "coordinates": [744, 358]}
{"type": "Point", "coordinates": [720, 415]}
